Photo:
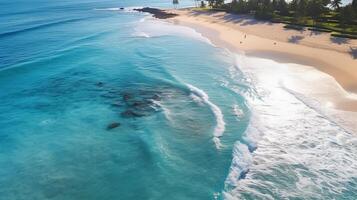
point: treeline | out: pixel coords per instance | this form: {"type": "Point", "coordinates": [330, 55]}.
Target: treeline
{"type": "Point", "coordinates": [297, 10]}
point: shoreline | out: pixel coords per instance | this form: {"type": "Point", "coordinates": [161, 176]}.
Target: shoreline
{"type": "Point", "coordinates": [327, 57]}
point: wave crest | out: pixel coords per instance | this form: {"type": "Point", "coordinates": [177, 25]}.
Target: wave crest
{"type": "Point", "coordinates": [220, 124]}
{"type": "Point", "coordinates": [151, 27]}
{"type": "Point", "coordinates": [46, 25]}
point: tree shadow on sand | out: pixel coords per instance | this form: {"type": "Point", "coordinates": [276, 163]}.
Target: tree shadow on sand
{"type": "Point", "coordinates": [243, 20]}
{"type": "Point", "coordinates": [315, 33]}
{"type": "Point", "coordinates": [233, 18]}
{"type": "Point", "coordinates": [353, 52]}
{"type": "Point", "coordinates": [338, 40]}
{"type": "Point", "coordinates": [196, 13]}
{"type": "Point", "coordinates": [254, 21]}
{"type": "Point", "coordinates": [300, 30]}
{"type": "Point", "coordinates": [295, 39]}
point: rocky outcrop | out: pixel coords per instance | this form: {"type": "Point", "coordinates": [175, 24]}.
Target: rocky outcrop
{"type": "Point", "coordinates": [158, 13]}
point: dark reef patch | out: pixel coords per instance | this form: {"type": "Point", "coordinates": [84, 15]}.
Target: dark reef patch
{"type": "Point", "coordinates": [158, 13]}
{"type": "Point", "coordinates": [130, 114]}
{"type": "Point", "coordinates": [99, 84]}
{"type": "Point", "coordinates": [113, 125]}
{"type": "Point", "coordinates": [132, 102]}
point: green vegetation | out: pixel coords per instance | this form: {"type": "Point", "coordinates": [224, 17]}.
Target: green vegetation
{"type": "Point", "coordinates": [344, 35]}
{"type": "Point", "coordinates": [317, 15]}
{"type": "Point", "coordinates": [294, 27]}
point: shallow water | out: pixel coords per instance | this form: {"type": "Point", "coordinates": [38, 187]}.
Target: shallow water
{"type": "Point", "coordinates": [68, 71]}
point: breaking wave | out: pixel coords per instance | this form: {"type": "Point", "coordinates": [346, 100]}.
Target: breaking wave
{"type": "Point", "coordinates": [292, 150]}
{"type": "Point", "coordinates": [220, 124]}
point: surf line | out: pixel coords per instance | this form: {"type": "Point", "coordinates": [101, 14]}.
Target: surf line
{"type": "Point", "coordinates": [220, 124]}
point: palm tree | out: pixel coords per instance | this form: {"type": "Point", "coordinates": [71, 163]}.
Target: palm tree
{"type": "Point", "coordinates": [301, 7]}
{"type": "Point", "coordinates": [314, 9]}
{"type": "Point", "coordinates": [219, 3]}
{"type": "Point", "coordinates": [354, 4]}
{"type": "Point", "coordinates": [175, 2]}
{"type": "Point", "coordinates": [283, 7]}
{"type": "Point", "coordinates": [336, 4]}
{"type": "Point", "coordinates": [203, 5]}
{"type": "Point", "coordinates": [347, 15]}
{"type": "Point", "coordinates": [211, 3]}
{"type": "Point", "coordinates": [196, 3]}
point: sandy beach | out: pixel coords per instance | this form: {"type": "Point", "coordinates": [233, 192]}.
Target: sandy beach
{"type": "Point", "coordinates": [335, 56]}
{"type": "Point", "coordinates": [307, 52]}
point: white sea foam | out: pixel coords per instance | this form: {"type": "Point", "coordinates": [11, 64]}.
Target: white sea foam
{"type": "Point", "coordinates": [166, 111]}
{"type": "Point", "coordinates": [108, 9]}
{"type": "Point", "coordinates": [220, 124]}
{"type": "Point", "coordinates": [121, 9]}
{"type": "Point", "coordinates": [301, 152]}
{"type": "Point", "coordinates": [238, 111]}
{"type": "Point", "coordinates": [133, 9]}
{"type": "Point", "coordinates": [241, 162]}
{"type": "Point", "coordinates": [151, 27]}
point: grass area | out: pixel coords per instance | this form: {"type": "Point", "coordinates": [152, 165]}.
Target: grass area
{"type": "Point", "coordinates": [202, 9]}
{"type": "Point", "coordinates": [326, 23]}
{"type": "Point", "coordinates": [319, 29]}
{"type": "Point", "coordinates": [294, 27]}
{"type": "Point", "coordinates": [344, 35]}
{"type": "Point", "coordinates": [207, 9]}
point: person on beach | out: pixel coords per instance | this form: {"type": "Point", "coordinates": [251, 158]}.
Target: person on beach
{"type": "Point", "coordinates": [175, 2]}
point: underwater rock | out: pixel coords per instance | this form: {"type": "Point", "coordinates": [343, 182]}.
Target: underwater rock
{"type": "Point", "coordinates": [100, 84]}
{"type": "Point", "coordinates": [127, 96]}
{"type": "Point", "coordinates": [156, 97]}
{"type": "Point", "coordinates": [243, 174]}
{"type": "Point", "coordinates": [116, 104]}
{"type": "Point", "coordinates": [113, 125]}
{"type": "Point", "coordinates": [252, 148]}
{"type": "Point", "coordinates": [138, 103]}
{"type": "Point", "coordinates": [141, 105]}
{"type": "Point", "coordinates": [131, 114]}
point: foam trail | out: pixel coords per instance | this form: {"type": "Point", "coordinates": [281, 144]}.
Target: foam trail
{"type": "Point", "coordinates": [123, 9]}
{"type": "Point", "coordinates": [238, 111]}
{"type": "Point", "coordinates": [40, 26]}
{"type": "Point", "coordinates": [108, 9]}
{"type": "Point", "coordinates": [166, 111]}
{"type": "Point", "coordinates": [151, 27]}
{"type": "Point", "coordinates": [302, 152]}
{"type": "Point", "coordinates": [220, 124]}
{"type": "Point", "coordinates": [242, 159]}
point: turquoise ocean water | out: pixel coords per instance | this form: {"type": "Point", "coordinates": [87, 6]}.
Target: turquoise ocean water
{"type": "Point", "coordinates": [69, 69]}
